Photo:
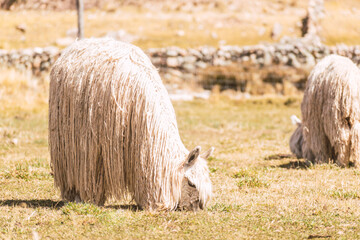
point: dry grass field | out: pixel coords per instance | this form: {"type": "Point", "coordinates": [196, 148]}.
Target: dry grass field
{"type": "Point", "coordinates": [260, 191]}
{"type": "Point", "coordinates": [247, 23]}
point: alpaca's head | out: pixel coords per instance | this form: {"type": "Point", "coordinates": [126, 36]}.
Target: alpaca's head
{"type": "Point", "coordinates": [196, 185]}
{"type": "Point", "coordinates": [296, 140]}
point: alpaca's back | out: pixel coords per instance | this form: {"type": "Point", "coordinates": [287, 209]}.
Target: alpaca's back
{"type": "Point", "coordinates": [111, 122]}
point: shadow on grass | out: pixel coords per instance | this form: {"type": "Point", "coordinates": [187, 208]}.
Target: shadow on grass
{"type": "Point", "coordinates": [319, 236]}
{"type": "Point", "coordinates": [46, 203]}
{"type": "Point", "coordinates": [131, 207]}
{"type": "Point", "coordinates": [35, 203]}
{"type": "Point", "coordinates": [279, 156]}
{"type": "Point", "coordinates": [294, 165]}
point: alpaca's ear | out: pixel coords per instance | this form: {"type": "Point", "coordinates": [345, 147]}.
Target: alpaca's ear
{"type": "Point", "coordinates": [295, 120]}
{"type": "Point", "coordinates": [208, 153]}
{"type": "Point", "coordinates": [193, 156]}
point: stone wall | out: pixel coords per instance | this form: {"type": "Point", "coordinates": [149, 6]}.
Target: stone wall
{"type": "Point", "coordinates": [37, 60]}
{"type": "Point", "coordinates": [177, 65]}
{"type": "Point", "coordinates": [297, 54]}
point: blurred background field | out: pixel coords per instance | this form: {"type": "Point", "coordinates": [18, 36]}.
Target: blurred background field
{"type": "Point", "coordinates": [176, 23]}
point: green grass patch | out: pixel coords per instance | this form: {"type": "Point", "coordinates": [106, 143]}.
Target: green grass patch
{"type": "Point", "coordinates": [27, 172]}
{"type": "Point", "coordinates": [344, 194]}
{"type": "Point", "coordinates": [82, 209]}
{"type": "Point", "coordinates": [254, 195]}
{"type": "Point", "coordinates": [221, 207]}
{"type": "Point", "coordinates": [250, 178]}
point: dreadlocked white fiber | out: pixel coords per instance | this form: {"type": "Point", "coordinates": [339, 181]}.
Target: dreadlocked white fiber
{"type": "Point", "coordinates": [113, 129]}
{"type": "Point", "coordinates": [331, 112]}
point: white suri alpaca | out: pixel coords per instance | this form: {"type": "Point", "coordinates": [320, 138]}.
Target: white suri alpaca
{"type": "Point", "coordinates": [330, 129]}
{"type": "Point", "coordinates": [113, 131]}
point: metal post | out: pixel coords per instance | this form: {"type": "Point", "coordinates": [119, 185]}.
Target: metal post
{"type": "Point", "coordinates": [80, 13]}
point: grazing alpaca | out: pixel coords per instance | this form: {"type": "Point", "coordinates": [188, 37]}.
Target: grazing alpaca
{"type": "Point", "coordinates": [113, 131]}
{"type": "Point", "coordinates": [331, 113]}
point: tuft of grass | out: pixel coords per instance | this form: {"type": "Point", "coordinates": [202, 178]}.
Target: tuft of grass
{"type": "Point", "coordinates": [221, 207]}
{"type": "Point", "coordinates": [344, 194]}
{"type": "Point", "coordinates": [20, 171]}
{"type": "Point", "coordinates": [26, 172]}
{"type": "Point", "coordinates": [82, 209]}
{"type": "Point", "coordinates": [325, 166]}
{"type": "Point", "coordinates": [250, 178]}
{"type": "Point", "coordinates": [212, 170]}
{"type": "Point", "coordinates": [252, 182]}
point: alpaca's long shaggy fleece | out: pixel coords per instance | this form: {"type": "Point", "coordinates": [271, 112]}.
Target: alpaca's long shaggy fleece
{"type": "Point", "coordinates": [113, 130]}
{"type": "Point", "coordinates": [331, 112]}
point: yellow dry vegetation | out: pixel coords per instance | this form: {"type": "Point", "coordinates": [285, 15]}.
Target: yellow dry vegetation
{"type": "Point", "coordinates": [260, 190]}
{"type": "Point", "coordinates": [22, 91]}
{"type": "Point", "coordinates": [247, 26]}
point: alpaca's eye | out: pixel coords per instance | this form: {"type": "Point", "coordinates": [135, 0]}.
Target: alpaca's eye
{"type": "Point", "coordinates": [191, 184]}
